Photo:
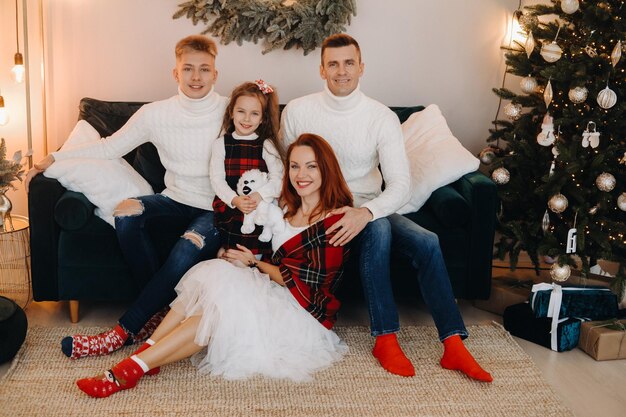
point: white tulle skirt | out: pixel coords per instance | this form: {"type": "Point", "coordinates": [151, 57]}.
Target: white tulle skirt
{"type": "Point", "coordinates": [251, 325]}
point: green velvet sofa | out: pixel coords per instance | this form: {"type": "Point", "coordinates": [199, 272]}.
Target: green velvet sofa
{"type": "Point", "coordinates": [75, 255]}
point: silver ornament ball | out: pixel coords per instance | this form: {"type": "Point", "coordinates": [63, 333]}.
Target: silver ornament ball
{"type": "Point", "coordinates": [551, 52]}
{"type": "Point", "coordinates": [528, 85]}
{"type": "Point", "coordinates": [557, 203]}
{"type": "Point", "coordinates": [605, 182]}
{"type": "Point", "coordinates": [513, 111]}
{"type": "Point", "coordinates": [560, 273]}
{"type": "Point", "coordinates": [578, 94]}
{"type": "Point", "coordinates": [607, 98]}
{"type": "Point", "coordinates": [501, 176]}
{"type": "Point", "coordinates": [569, 6]}
{"type": "Point", "coordinates": [621, 201]}
{"type": "Point", "coordinates": [487, 155]}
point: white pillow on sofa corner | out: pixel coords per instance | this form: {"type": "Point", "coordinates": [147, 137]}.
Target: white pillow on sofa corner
{"type": "Point", "coordinates": [436, 157]}
{"type": "Point", "coordinates": [105, 182]}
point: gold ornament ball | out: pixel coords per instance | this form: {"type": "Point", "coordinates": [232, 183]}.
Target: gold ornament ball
{"type": "Point", "coordinates": [607, 98]}
{"type": "Point", "coordinates": [501, 176]}
{"type": "Point", "coordinates": [513, 111]}
{"type": "Point", "coordinates": [605, 182]}
{"type": "Point", "coordinates": [528, 85]}
{"type": "Point", "coordinates": [578, 94]}
{"type": "Point", "coordinates": [557, 203]}
{"type": "Point", "coordinates": [621, 201]}
{"type": "Point", "coordinates": [569, 6]}
{"type": "Point", "coordinates": [551, 52]}
{"type": "Point", "coordinates": [560, 273]}
{"type": "Point", "coordinates": [487, 155]}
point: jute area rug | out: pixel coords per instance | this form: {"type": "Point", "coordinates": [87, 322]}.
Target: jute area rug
{"type": "Point", "coordinates": [41, 383]}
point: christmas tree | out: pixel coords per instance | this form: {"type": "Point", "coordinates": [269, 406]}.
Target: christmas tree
{"type": "Point", "coordinates": [560, 158]}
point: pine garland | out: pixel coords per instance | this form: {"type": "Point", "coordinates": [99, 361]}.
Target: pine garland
{"type": "Point", "coordinates": [279, 25]}
{"type": "Point", "coordinates": [9, 170]}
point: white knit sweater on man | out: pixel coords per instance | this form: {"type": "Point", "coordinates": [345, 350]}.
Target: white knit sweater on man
{"type": "Point", "coordinates": [363, 133]}
{"type": "Point", "coordinates": [183, 130]}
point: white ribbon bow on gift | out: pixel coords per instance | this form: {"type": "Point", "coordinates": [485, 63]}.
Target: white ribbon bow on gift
{"type": "Point", "coordinates": [554, 306]}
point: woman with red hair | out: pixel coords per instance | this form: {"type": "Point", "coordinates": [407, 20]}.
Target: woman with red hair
{"type": "Point", "coordinates": [237, 316]}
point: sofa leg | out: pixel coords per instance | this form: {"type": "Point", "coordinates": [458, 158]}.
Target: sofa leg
{"type": "Point", "coordinates": [73, 311]}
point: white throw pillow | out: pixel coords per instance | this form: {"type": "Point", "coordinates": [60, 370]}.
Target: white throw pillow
{"type": "Point", "coordinates": [436, 157]}
{"type": "Point", "coordinates": [104, 182]}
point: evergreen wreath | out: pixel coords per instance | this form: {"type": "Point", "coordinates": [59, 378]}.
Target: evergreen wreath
{"type": "Point", "coordinates": [281, 24]}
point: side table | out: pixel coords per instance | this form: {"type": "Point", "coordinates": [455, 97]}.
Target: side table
{"type": "Point", "coordinates": [15, 279]}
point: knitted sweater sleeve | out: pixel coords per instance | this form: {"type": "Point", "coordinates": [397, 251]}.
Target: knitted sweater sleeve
{"type": "Point", "coordinates": [394, 166]}
{"type": "Point", "coordinates": [272, 189]}
{"type": "Point", "coordinates": [217, 173]}
{"type": "Point", "coordinates": [135, 132]}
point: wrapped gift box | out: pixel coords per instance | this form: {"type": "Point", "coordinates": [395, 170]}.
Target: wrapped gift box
{"type": "Point", "coordinates": [520, 321]}
{"type": "Point", "coordinates": [592, 303]}
{"type": "Point", "coordinates": [604, 340]}
{"type": "Point", "coordinates": [505, 292]}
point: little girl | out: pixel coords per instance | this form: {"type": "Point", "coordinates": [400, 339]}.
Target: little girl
{"type": "Point", "coordinates": [250, 141]}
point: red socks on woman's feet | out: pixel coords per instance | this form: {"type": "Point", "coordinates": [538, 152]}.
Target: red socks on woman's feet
{"type": "Point", "coordinates": [457, 357]}
{"type": "Point", "coordinates": [390, 355]}
{"type": "Point", "coordinates": [79, 346]}
{"type": "Point", "coordinates": [123, 376]}
{"type": "Point", "coordinates": [143, 347]}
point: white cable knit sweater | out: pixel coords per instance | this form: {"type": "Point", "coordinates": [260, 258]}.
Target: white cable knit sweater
{"type": "Point", "coordinates": [363, 133]}
{"type": "Point", "coordinates": [183, 130]}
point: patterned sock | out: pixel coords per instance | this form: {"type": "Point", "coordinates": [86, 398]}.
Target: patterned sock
{"type": "Point", "coordinates": [149, 328]}
{"type": "Point", "coordinates": [124, 375]}
{"type": "Point", "coordinates": [457, 357]}
{"type": "Point", "coordinates": [390, 355]}
{"type": "Point", "coordinates": [143, 347]}
{"type": "Point", "coordinates": [79, 346]}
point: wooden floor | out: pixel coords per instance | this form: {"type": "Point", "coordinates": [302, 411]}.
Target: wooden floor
{"type": "Point", "coordinates": [587, 387]}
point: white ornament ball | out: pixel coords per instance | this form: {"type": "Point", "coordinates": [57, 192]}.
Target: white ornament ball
{"type": "Point", "coordinates": [557, 203]}
{"type": "Point", "coordinates": [513, 111]}
{"type": "Point", "coordinates": [487, 155]}
{"type": "Point", "coordinates": [605, 182]}
{"type": "Point", "coordinates": [560, 273]}
{"type": "Point", "coordinates": [528, 85]}
{"type": "Point", "coordinates": [621, 202]}
{"type": "Point", "coordinates": [578, 94]}
{"type": "Point", "coordinates": [501, 176]}
{"type": "Point", "coordinates": [607, 98]}
{"type": "Point", "coordinates": [551, 52]}
{"type": "Point", "coordinates": [569, 6]}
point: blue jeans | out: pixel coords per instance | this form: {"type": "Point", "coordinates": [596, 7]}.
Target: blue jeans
{"type": "Point", "coordinates": [158, 281]}
{"type": "Point", "coordinates": [402, 236]}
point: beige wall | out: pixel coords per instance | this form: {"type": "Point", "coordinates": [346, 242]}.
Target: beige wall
{"type": "Point", "coordinates": [415, 51]}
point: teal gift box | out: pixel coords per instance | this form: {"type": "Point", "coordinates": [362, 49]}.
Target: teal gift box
{"type": "Point", "coordinates": [591, 303]}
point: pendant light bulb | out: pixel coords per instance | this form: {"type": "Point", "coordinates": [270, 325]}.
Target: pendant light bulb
{"type": "Point", "coordinates": [18, 70]}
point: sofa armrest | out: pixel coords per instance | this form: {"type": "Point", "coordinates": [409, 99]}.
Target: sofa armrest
{"type": "Point", "coordinates": [482, 195]}
{"type": "Point", "coordinates": [449, 207]}
{"type": "Point", "coordinates": [44, 193]}
{"type": "Point", "coordinates": [73, 210]}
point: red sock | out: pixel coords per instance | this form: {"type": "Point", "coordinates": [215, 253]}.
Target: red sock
{"type": "Point", "coordinates": [390, 355]}
{"type": "Point", "coordinates": [457, 357]}
{"type": "Point", "coordinates": [79, 346]}
{"type": "Point", "coordinates": [123, 376]}
{"type": "Point", "coordinates": [143, 347]}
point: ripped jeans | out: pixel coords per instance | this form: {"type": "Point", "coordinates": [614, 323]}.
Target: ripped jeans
{"type": "Point", "coordinates": [200, 242]}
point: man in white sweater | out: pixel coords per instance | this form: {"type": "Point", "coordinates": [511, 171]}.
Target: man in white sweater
{"type": "Point", "coordinates": [365, 134]}
{"type": "Point", "coordinates": [183, 129]}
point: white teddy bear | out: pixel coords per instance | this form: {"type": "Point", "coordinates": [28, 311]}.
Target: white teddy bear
{"type": "Point", "coordinates": [268, 215]}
